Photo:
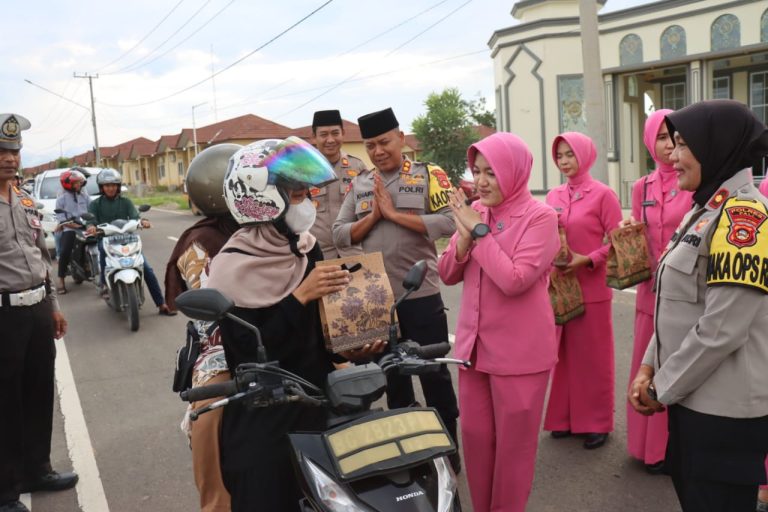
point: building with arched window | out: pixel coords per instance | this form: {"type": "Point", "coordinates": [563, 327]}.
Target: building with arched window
{"type": "Point", "coordinates": [665, 54]}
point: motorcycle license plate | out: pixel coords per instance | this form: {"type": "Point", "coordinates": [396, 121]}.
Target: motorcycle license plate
{"type": "Point", "coordinates": [388, 440]}
{"type": "Point", "coordinates": [127, 238]}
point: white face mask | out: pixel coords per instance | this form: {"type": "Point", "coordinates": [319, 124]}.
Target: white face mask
{"type": "Point", "coordinates": [300, 217]}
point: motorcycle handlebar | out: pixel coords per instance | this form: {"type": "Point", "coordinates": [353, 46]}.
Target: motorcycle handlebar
{"type": "Point", "coordinates": [210, 391]}
{"type": "Point", "coordinates": [430, 351]}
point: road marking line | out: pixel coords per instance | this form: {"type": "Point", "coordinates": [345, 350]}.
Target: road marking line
{"type": "Point", "coordinates": [26, 499]}
{"type": "Point", "coordinates": [173, 238]}
{"type": "Point", "coordinates": [90, 492]}
{"type": "Point", "coordinates": [451, 338]}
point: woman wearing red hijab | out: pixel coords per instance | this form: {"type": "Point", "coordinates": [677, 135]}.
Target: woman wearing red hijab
{"type": "Point", "coordinates": [502, 251]}
{"type": "Point", "coordinates": [658, 202]}
{"type": "Point", "coordinates": [581, 399]}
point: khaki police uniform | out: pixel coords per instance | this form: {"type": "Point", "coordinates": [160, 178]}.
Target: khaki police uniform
{"type": "Point", "coordinates": [710, 346]}
{"type": "Point", "coordinates": [328, 200]}
{"type": "Point", "coordinates": [418, 189]}
{"type": "Point", "coordinates": [28, 351]}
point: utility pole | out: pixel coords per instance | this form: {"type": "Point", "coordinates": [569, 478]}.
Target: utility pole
{"type": "Point", "coordinates": [93, 115]}
{"type": "Point", "coordinates": [213, 84]}
{"type": "Point", "coordinates": [194, 128]}
{"type": "Point", "coordinates": [594, 97]}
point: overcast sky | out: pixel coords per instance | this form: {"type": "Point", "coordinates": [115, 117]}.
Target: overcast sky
{"type": "Point", "coordinates": [357, 56]}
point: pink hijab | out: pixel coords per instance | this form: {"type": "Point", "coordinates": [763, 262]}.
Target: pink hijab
{"type": "Point", "coordinates": [586, 154]}
{"type": "Point", "coordinates": [652, 126]}
{"type": "Point", "coordinates": [511, 161]}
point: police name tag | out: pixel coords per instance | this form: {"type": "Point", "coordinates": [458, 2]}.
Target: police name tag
{"type": "Point", "coordinates": [739, 251]}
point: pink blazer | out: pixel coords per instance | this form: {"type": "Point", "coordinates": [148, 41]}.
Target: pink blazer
{"type": "Point", "coordinates": [593, 212]}
{"type": "Point", "coordinates": [506, 317]}
{"type": "Point", "coordinates": [661, 218]}
{"type": "Point", "coordinates": [764, 187]}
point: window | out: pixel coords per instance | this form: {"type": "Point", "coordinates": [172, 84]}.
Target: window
{"type": "Point", "coordinates": [173, 157]}
{"type": "Point", "coordinates": [161, 171]}
{"type": "Point", "coordinates": [725, 33]}
{"type": "Point", "coordinates": [631, 50]}
{"type": "Point", "coordinates": [673, 95]}
{"type": "Point", "coordinates": [181, 169]}
{"type": "Point", "coordinates": [673, 42]}
{"type": "Point", "coordinates": [721, 88]}
{"type": "Point", "coordinates": [136, 174]}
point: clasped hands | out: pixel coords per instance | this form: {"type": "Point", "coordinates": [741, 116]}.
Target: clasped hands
{"type": "Point", "coordinates": [638, 393]}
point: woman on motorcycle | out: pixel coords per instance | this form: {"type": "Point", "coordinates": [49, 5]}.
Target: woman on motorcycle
{"type": "Point", "coordinates": [73, 202]}
{"type": "Point", "coordinates": [268, 269]}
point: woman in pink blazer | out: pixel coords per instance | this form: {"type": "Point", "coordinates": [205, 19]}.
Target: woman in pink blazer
{"type": "Point", "coordinates": [581, 399]}
{"type": "Point", "coordinates": [658, 202]}
{"type": "Point", "coordinates": [502, 251]}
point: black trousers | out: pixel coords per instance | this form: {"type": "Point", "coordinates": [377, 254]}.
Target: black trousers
{"type": "Point", "coordinates": [716, 463]}
{"type": "Point", "coordinates": [423, 320]}
{"type": "Point", "coordinates": [65, 256]}
{"type": "Point", "coordinates": [27, 354]}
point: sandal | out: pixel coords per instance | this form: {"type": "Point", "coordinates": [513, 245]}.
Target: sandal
{"type": "Point", "coordinates": [61, 291]}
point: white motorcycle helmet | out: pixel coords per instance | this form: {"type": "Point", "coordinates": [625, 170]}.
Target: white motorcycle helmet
{"type": "Point", "coordinates": [259, 175]}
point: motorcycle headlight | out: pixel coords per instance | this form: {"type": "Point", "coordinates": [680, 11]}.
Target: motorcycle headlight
{"type": "Point", "coordinates": [446, 484]}
{"type": "Point", "coordinates": [332, 495]}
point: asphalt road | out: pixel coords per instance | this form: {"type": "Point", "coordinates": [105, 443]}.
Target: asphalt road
{"type": "Point", "coordinates": [139, 459]}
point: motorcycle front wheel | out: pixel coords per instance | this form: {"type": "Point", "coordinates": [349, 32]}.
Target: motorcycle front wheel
{"type": "Point", "coordinates": [131, 301]}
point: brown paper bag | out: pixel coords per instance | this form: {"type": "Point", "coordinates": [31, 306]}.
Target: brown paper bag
{"type": "Point", "coordinates": [564, 289]}
{"type": "Point", "coordinates": [358, 314]}
{"type": "Point", "coordinates": [628, 260]}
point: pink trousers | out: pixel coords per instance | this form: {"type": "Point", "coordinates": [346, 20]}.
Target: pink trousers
{"type": "Point", "coordinates": [581, 397]}
{"type": "Point", "coordinates": [500, 422]}
{"type": "Point", "coordinates": [646, 435]}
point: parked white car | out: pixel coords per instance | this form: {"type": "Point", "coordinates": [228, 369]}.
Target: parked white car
{"type": "Point", "coordinates": [47, 188]}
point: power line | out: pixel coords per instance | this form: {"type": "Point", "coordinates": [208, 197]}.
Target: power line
{"type": "Point", "coordinates": [30, 82]}
{"type": "Point", "coordinates": [352, 76]}
{"type": "Point", "coordinates": [169, 50]}
{"type": "Point", "coordinates": [146, 36]}
{"type": "Point", "coordinates": [132, 65]}
{"type": "Point", "coordinates": [235, 63]}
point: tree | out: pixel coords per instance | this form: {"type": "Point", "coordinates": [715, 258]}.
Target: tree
{"type": "Point", "coordinates": [479, 113]}
{"type": "Point", "coordinates": [62, 162]}
{"type": "Point", "coordinates": [446, 131]}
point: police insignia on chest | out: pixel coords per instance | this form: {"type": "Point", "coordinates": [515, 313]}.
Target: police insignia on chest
{"type": "Point", "coordinates": [406, 166]}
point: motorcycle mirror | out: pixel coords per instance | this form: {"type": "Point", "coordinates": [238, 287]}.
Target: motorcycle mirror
{"type": "Point", "coordinates": [415, 276]}
{"type": "Point", "coordinates": [206, 304]}
{"type": "Point", "coordinates": [144, 208]}
{"type": "Point", "coordinates": [39, 206]}
{"type": "Point", "coordinates": [59, 210]}
{"type": "Point", "coordinates": [87, 216]}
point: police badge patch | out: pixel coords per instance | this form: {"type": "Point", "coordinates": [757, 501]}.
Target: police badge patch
{"type": "Point", "coordinates": [745, 221]}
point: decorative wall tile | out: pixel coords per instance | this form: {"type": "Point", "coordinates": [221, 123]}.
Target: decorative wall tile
{"type": "Point", "coordinates": [631, 50]}
{"type": "Point", "coordinates": [726, 32]}
{"type": "Point", "coordinates": [570, 91]}
{"type": "Point", "coordinates": [673, 42]}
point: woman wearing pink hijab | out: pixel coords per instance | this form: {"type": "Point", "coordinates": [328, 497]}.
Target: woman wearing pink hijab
{"type": "Point", "coordinates": [502, 251]}
{"type": "Point", "coordinates": [581, 399]}
{"type": "Point", "coordinates": [658, 202]}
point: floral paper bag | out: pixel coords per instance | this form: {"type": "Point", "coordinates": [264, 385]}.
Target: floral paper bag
{"type": "Point", "coordinates": [564, 289]}
{"type": "Point", "coordinates": [628, 261]}
{"type": "Point", "coordinates": [358, 314]}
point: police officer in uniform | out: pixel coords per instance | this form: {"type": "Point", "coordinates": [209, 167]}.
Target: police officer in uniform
{"type": "Point", "coordinates": [31, 319]}
{"type": "Point", "coordinates": [708, 358]}
{"type": "Point", "coordinates": [400, 208]}
{"type": "Point", "coordinates": [328, 137]}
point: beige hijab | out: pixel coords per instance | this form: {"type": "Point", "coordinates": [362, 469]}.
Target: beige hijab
{"type": "Point", "coordinates": [256, 267]}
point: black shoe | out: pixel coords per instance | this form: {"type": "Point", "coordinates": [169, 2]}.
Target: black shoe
{"type": "Point", "coordinates": [52, 481]}
{"type": "Point", "coordinates": [559, 434]}
{"type": "Point", "coordinates": [595, 441]}
{"type": "Point", "coordinates": [13, 506]}
{"type": "Point", "coordinates": [656, 468]}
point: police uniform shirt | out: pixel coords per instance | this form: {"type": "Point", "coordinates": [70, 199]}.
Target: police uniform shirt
{"type": "Point", "coordinates": [416, 188]}
{"type": "Point", "coordinates": [24, 260]}
{"type": "Point", "coordinates": [710, 346]}
{"type": "Point", "coordinates": [328, 200]}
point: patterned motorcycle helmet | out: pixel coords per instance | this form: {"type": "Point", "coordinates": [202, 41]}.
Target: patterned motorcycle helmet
{"type": "Point", "coordinates": [260, 175]}
{"type": "Point", "coordinates": [69, 178]}
{"type": "Point", "coordinates": [205, 176]}
{"type": "Point", "coordinates": [108, 176]}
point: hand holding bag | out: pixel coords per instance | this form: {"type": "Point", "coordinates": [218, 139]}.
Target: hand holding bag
{"type": "Point", "coordinates": [564, 289]}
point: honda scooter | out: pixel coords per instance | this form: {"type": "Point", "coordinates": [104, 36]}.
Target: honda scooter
{"type": "Point", "coordinates": [124, 266]}
{"type": "Point", "coordinates": [365, 460]}
{"type": "Point", "coordinates": [84, 262]}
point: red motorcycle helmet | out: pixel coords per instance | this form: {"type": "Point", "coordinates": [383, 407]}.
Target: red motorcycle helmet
{"type": "Point", "coordinates": [69, 178]}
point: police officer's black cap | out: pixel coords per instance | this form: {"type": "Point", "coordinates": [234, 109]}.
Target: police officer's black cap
{"type": "Point", "coordinates": [376, 123]}
{"type": "Point", "coordinates": [326, 118]}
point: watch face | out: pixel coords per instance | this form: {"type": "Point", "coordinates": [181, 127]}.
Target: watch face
{"type": "Point", "coordinates": [480, 230]}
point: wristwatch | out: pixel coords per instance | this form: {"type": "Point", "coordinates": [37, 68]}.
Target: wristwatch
{"type": "Point", "coordinates": [652, 392]}
{"type": "Point", "coordinates": [480, 230]}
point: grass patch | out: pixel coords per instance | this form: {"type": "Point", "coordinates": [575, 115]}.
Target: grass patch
{"type": "Point", "coordinates": [167, 200]}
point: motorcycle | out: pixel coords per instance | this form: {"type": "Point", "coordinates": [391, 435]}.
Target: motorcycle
{"type": "Point", "coordinates": [366, 459]}
{"type": "Point", "coordinates": [84, 262]}
{"type": "Point", "coordinates": [124, 266]}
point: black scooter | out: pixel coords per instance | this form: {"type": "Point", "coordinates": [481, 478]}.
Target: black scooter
{"type": "Point", "coordinates": [366, 460]}
{"type": "Point", "coordinates": [84, 263]}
